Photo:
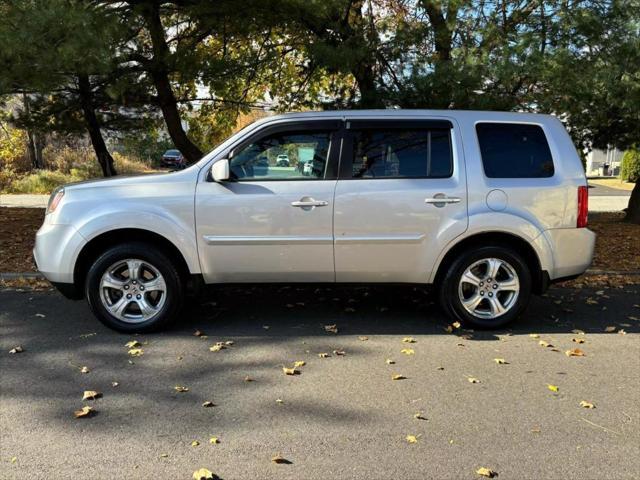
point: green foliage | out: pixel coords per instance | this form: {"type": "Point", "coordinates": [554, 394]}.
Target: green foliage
{"type": "Point", "coordinates": [40, 181]}
{"type": "Point", "coordinates": [147, 144]}
{"type": "Point", "coordinates": [630, 170]}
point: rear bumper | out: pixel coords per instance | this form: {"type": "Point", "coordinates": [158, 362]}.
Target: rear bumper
{"type": "Point", "coordinates": [572, 250]}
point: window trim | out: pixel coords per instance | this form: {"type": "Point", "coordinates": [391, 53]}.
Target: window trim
{"type": "Point", "coordinates": [504, 122]}
{"type": "Point", "coordinates": [333, 127]}
{"type": "Point", "coordinates": [347, 153]}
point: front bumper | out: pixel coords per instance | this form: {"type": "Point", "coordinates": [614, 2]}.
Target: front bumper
{"type": "Point", "coordinates": [56, 250]}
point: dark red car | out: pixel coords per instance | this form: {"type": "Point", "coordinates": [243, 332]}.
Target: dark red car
{"type": "Point", "coordinates": [172, 159]}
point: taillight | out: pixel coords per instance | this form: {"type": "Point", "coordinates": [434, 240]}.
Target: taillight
{"type": "Point", "coordinates": [583, 206]}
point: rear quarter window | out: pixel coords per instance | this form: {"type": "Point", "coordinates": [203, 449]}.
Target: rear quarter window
{"type": "Point", "coordinates": [513, 150]}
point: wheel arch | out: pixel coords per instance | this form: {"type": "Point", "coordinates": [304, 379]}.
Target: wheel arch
{"type": "Point", "coordinates": [94, 247]}
{"type": "Point", "coordinates": [539, 276]}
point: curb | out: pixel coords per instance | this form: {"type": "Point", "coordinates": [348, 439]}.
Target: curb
{"type": "Point", "coordinates": [39, 276]}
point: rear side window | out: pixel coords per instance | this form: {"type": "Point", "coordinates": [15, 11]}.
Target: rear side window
{"type": "Point", "coordinates": [512, 150]}
{"type": "Point", "coordinates": [400, 153]}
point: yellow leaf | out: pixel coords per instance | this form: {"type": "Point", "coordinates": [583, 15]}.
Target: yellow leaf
{"type": "Point", "coordinates": [280, 460]}
{"type": "Point", "coordinates": [164, 455]}
{"type": "Point", "coordinates": [216, 348]}
{"type": "Point", "coordinates": [398, 377]}
{"type": "Point", "coordinates": [534, 335]}
{"type": "Point", "coordinates": [553, 388]}
{"type": "Point", "coordinates": [576, 352]}
{"type": "Point", "coordinates": [448, 329]}
{"type": "Point", "coordinates": [300, 363]}
{"type": "Point", "coordinates": [279, 400]}
{"type": "Point", "coordinates": [91, 395]}
{"type": "Point", "coordinates": [622, 332]}
{"type": "Point", "coordinates": [324, 355]}
{"type": "Point", "coordinates": [585, 404]}
{"type": "Point", "coordinates": [390, 362]}
{"type": "Point", "coordinates": [486, 472]}
{"type": "Point", "coordinates": [208, 404]}
{"type": "Point", "coordinates": [214, 440]}
{"type": "Point", "coordinates": [407, 351]}
{"type": "Point", "coordinates": [339, 353]}
{"type": "Point", "coordinates": [409, 340]}
{"type": "Point", "coordinates": [473, 380]}
{"type": "Point", "coordinates": [578, 340]}
{"type": "Point", "coordinates": [133, 344]}
{"type": "Point", "coordinates": [290, 371]}
{"type": "Point", "coordinates": [181, 389]}
{"type": "Point", "coordinates": [456, 325]}
{"type": "Point", "coordinates": [501, 361]}
{"type": "Point", "coordinates": [419, 416]}
{"type": "Point", "coordinates": [331, 328]}
{"type": "Point", "coordinates": [229, 343]}
{"type": "Point", "coordinates": [16, 349]}
{"type": "Point", "coordinates": [135, 352]}
{"type": "Point", "coordinates": [195, 443]}
{"type": "Point", "coordinates": [610, 329]}
{"type": "Point", "coordinates": [363, 339]}
{"type": "Point", "coordinates": [411, 439]}
{"type": "Point", "coordinates": [14, 459]}
{"type": "Point", "coordinates": [84, 370]}
{"type": "Point", "coordinates": [84, 412]}
{"type": "Point", "coordinates": [542, 343]}
{"type": "Point", "coordinates": [203, 474]}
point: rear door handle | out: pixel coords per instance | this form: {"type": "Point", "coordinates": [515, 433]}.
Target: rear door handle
{"type": "Point", "coordinates": [308, 203]}
{"type": "Point", "coordinates": [440, 200]}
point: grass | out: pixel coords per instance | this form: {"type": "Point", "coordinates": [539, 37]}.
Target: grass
{"type": "Point", "coordinates": [612, 183]}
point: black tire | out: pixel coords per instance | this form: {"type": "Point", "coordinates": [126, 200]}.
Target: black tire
{"type": "Point", "coordinates": [449, 293]}
{"type": "Point", "coordinates": [155, 257]}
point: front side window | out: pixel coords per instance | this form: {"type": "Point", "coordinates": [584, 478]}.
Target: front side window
{"type": "Point", "coordinates": [411, 153]}
{"type": "Point", "coordinates": [283, 156]}
{"type": "Point", "coordinates": [513, 150]}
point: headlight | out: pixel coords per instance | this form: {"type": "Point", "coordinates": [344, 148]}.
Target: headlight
{"type": "Point", "coordinates": [55, 199]}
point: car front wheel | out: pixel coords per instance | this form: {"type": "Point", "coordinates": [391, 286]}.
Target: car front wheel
{"type": "Point", "coordinates": [487, 287]}
{"type": "Point", "coordinates": [134, 287]}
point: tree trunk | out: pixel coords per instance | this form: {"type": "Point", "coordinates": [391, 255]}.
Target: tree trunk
{"type": "Point", "coordinates": [93, 127]}
{"type": "Point", "coordinates": [633, 211]}
{"type": "Point", "coordinates": [34, 144]}
{"type": "Point", "coordinates": [166, 98]}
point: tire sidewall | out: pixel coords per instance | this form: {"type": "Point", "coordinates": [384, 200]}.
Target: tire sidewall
{"type": "Point", "coordinates": [151, 255]}
{"type": "Point", "coordinates": [449, 290]}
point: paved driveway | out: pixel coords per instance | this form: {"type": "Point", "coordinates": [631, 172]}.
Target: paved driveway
{"type": "Point", "coordinates": [343, 416]}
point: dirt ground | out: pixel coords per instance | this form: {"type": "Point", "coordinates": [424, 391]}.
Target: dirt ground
{"type": "Point", "coordinates": [617, 246]}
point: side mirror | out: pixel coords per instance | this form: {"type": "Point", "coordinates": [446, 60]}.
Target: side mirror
{"type": "Point", "coordinates": [220, 170]}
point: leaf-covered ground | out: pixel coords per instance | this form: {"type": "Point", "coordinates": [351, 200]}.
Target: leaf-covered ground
{"type": "Point", "coordinates": [555, 396]}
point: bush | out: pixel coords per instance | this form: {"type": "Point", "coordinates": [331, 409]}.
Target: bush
{"type": "Point", "coordinates": [630, 170]}
{"type": "Point", "coordinates": [13, 149]}
{"type": "Point", "coordinates": [40, 181]}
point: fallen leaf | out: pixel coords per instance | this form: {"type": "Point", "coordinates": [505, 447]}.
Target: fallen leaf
{"type": "Point", "coordinates": [542, 343]}
{"type": "Point", "coordinates": [585, 404]}
{"type": "Point", "coordinates": [214, 440]}
{"type": "Point", "coordinates": [280, 460]}
{"type": "Point", "coordinates": [576, 352]}
{"type": "Point", "coordinates": [195, 443]}
{"type": "Point", "coordinates": [349, 310]}
{"type": "Point", "coordinates": [486, 472]}
{"type": "Point", "coordinates": [84, 412]}
{"type": "Point", "coordinates": [578, 340]}
{"type": "Point", "coordinates": [419, 416]}
{"type": "Point", "coordinates": [622, 332]}
{"type": "Point", "coordinates": [41, 315]}
{"type": "Point", "coordinates": [408, 351]}
{"type": "Point", "coordinates": [440, 368]}
{"type": "Point", "coordinates": [197, 333]}
{"type": "Point", "coordinates": [114, 384]}
{"type": "Point", "coordinates": [279, 400]}
{"type": "Point", "coordinates": [203, 474]}
{"type": "Point", "coordinates": [135, 352]}
{"type": "Point", "coordinates": [398, 377]}
{"type": "Point", "coordinates": [248, 379]}
{"type": "Point", "coordinates": [534, 335]}
{"type": "Point", "coordinates": [448, 329]}
{"type": "Point", "coordinates": [91, 395]}
{"type": "Point", "coordinates": [363, 339]}
{"type": "Point", "coordinates": [553, 388]}
{"type": "Point", "coordinates": [473, 380]}
{"type": "Point", "coordinates": [208, 404]}
{"type": "Point", "coordinates": [339, 353]}
{"type": "Point", "coordinates": [577, 332]}
{"type": "Point", "coordinates": [16, 349]}
{"type": "Point", "coordinates": [217, 347]}
{"type": "Point", "coordinates": [324, 355]}
{"type": "Point", "coordinates": [290, 371]}
{"type": "Point", "coordinates": [180, 389]}
{"type": "Point", "coordinates": [390, 362]}
{"type": "Point", "coordinates": [456, 325]}
{"type": "Point", "coordinates": [610, 329]}
{"type": "Point", "coordinates": [411, 439]}
{"type": "Point", "coordinates": [229, 343]}
{"type": "Point", "coordinates": [331, 328]}
{"type": "Point", "coordinates": [14, 459]}
{"type": "Point", "coordinates": [84, 370]}
{"type": "Point", "coordinates": [299, 363]}
{"type": "Point", "coordinates": [409, 340]}
{"type": "Point", "coordinates": [133, 344]}
{"type": "Point", "coordinates": [164, 455]}
{"type": "Point", "coordinates": [501, 361]}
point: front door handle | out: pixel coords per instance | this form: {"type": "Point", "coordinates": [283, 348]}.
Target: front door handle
{"type": "Point", "coordinates": [308, 203]}
{"type": "Point", "coordinates": [440, 200]}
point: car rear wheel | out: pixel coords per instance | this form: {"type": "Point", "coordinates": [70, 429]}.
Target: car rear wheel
{"type": "Point", "coordinates": [134, 287]}
{"type": "Point", "coordinates": [486, 287]}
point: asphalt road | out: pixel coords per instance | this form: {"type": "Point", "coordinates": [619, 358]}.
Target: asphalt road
{"type": "Point", "coordinates": [604, 191]}
{"type": "Point", "coordinates": [343, 416]}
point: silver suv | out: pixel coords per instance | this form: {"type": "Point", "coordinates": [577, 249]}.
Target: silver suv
{"type": "Point", "coordinates": [489, 207]}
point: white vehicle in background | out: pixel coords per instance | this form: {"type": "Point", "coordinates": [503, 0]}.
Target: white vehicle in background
{"type": "Point", "coordinates": [489, 207]}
